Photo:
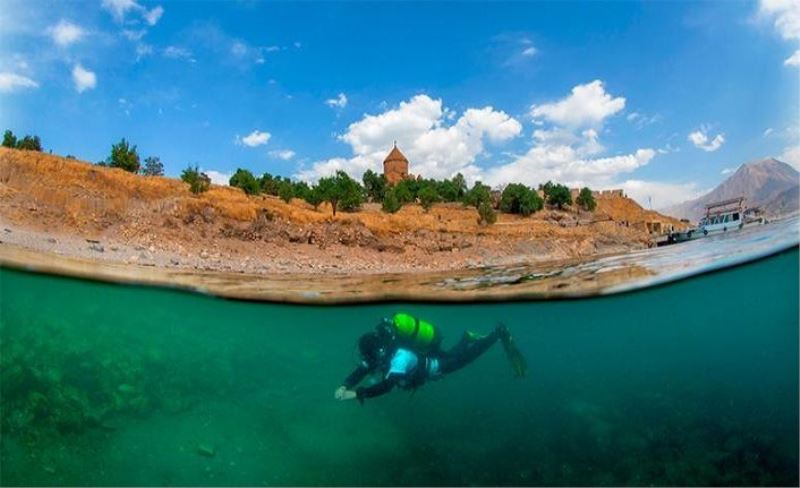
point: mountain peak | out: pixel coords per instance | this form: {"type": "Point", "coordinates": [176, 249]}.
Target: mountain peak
{"type": "Point", "coordinates": [759, 181]}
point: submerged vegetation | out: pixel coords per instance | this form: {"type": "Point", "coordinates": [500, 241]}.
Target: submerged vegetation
{"type": "Point", "coordinates": [107, 385]}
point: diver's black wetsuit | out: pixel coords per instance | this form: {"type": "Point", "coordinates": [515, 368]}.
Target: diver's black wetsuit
{"type": "Point", "coordinates": [432, 364]}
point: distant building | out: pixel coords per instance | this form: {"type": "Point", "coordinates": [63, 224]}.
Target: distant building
{"type": "Point", "coordinates": [395, 166]}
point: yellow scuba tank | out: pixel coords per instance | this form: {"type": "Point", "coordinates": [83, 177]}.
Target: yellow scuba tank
{"type": "Point", "coordinates": [416, 333]}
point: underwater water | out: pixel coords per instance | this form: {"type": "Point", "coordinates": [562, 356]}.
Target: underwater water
{"type": "Point", "coordinates": [690, 383]}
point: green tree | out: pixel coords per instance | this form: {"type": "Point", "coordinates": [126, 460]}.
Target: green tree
{"type": "Point", "coordinates": [314, 197]}
{"type": "Point", "coordinates": [547, 188]}
{"type": "Point", "coordinates": [479, 193]}
{"type": "Point", "coordinates": [153, 166]}
{"type": "Point", "coordinates": [30, 143]}
{"type": "Point", "coordinates": [559, 196]}
{"type": "Point", "coordinates": [123, 156]}
{"type": "Point", "coordinates": [198, 182]}
{"type": "Point", "coordinates": [460, 185]}
{"type": "Point", "coordinates": [341, 190]}
{"type": "Point", "coordinates": [519, 199]}
{"type": "Point", "coordinates": [245, 180]}
{"type": "Point", "coordinates": [300, 189]}
{"type": "Point", "coordinates": [286, 190]}
{"type": "Point", "coordinates": [586, 200]}
{"type": "Point", "coordinates": [428, 196]}
{"type": "Point", "coordinates": [269, 184]}
{"type": "Point", "coordinates": [374, 185]}
{"type": "Point", "coordinates": [9, 139]}
{"type": "Point", "coordinates": [486, 213]}
{"type": "Point", "coordinates": [404, 191]}
{"type": "Point", "coordinates": [390, 202]}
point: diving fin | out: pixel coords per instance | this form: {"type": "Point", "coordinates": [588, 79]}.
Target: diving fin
{"type": "Point", "coordinates": [518, 363]}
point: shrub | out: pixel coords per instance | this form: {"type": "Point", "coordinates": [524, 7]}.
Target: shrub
{"type": "Point", "coordinates": [374, 185]}
{"type": "Point", "coordinates": [341, 190]}
{"type": "Point", "coordinates": [269, 184]}
{"type": "Point", "coordinates": [245, 180]}
{"type": "Point", "coordinates": [559, 196]}
{"type": "Point", "coordinates": [586, 200]}
{"type": "Point", "coordinates": [390, 202]}
{"type": "Point", "coordinates": [30, 143]}
{"type": "Point", "coordinates": [153, 166]}
{"type": "Point", "coordinates": [519, 199]}
{"type": "Point", "coordinates": [405, 191]}
{"type": "Point", "coordinates": [314, 197]}
{"type": "Point", "coordinates": [428, 196]}
{"type": "Point", "coordinates": [477, 195]}
{"type": "Point", "coordinates": [123, 156]}
{"type": "Point", "coordinates": [486, 214]}
{"type": "Point", "coordinates": [286, 191]}
{"type": "Point", "coordinates": [9, 139]}
{"type": "Point", "coordinates": [546, 188]}
{"type": "Point", "coordinates": [300, 189]}
{"type": "Point", "coordinates": [198, 182]}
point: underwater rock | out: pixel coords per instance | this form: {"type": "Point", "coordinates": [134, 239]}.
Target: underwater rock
{"type": "Point", "coordinates": [206, 450]}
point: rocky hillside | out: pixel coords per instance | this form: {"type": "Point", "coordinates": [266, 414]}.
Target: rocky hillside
{"type": "Point", "coordinates": [59, 196]}
{"type": "Point", "coordinates": [767, 183]}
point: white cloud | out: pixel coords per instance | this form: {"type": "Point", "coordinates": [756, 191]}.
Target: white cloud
{"type": "Point", "coordinates": [662, 195]}
{"type": "Point", "coordinates": [567, 153]}
{"type": "Point", "coordinates": [563, 163]}
{"type": "Point", "coordinates": [120, 8]}
{"type": "Point", "coordinates": [529, 52]}
{"type": "Point", "coordinates": [587, 105]}
{"type": "Point", "coordinates": [134, 35]}
{"type": "Point", "coordinates": [640, 120]}
{"type": "Point", "coordinates": [238, 49]}
{"type": "Point", "coordinates": [143, 50]}
{"type": "Point", "coordinates": [65, 33]}
{"type": "Point", "coordinates": [255, 138]}
{"type": "Point", "coordinates": [701, 140]}
{"type": "Point", "coordinates": [339, 102]}
{"type": "Point", "coordinates": [786, 14]}
{"type": "Point", "coordinates": [787, 22]}
{"type": "Point", "coordinates": [217, 177]}
{"type": "Point", "coordinates": [285, 154]}
{"type": "Point", "coordinates": [419, 125]}
{"type": "Point", "coordinates": [174, 52]}
{"type": "Point", "coordinates": [11, 82]}
{"type": "Point", "coordinates": [83, 78]}
{"type": "Point", "coordinates": [793, 60]}
{"type": "Point", "coordinates": [769, 131]}
{"type": "Point", "coordinates": [152, 17]}
{"type": "Point", "coordinates": [791, 155]}
{"type": "Point", "coordinates": [727, 171]}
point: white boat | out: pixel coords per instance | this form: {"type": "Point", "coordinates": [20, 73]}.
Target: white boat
{"type": "Point", "coordinates": [724, 216]}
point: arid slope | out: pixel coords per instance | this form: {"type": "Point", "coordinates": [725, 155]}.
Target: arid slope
{"type": "Point", "coordinates": [225, 229]}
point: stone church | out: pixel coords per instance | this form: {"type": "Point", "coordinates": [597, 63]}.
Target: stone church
{"type": "Point", "coordinates": [395, 166]}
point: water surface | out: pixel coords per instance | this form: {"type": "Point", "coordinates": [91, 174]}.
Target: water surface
{"type": "Point", "coordinates": [690, 383]}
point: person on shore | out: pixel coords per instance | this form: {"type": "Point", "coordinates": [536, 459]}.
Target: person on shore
{"type": "Point", "coordinates": [407, 353]}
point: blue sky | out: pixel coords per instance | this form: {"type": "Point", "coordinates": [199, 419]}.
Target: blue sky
{"type": "Point", "coordinates": [663, 99]}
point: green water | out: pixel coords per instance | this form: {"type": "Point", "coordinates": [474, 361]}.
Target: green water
{"type": "Point", "coordinates": [693, 383]}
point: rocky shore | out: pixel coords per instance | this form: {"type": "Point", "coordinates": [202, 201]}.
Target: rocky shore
{"type": "Point", "coordinates": [70, 208]}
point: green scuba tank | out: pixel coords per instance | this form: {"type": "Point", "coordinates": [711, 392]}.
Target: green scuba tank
{"type": "Point", "coordinates": [417, 334]}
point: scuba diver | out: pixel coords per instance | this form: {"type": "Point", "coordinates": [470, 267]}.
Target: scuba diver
{"type": "Point", "coordinates": [407, 352]}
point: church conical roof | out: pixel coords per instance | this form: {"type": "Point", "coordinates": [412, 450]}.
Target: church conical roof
{"type": "Point", "coordinates": [395, 155]}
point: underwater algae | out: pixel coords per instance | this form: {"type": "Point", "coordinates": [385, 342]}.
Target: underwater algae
{"type": "Point", "coordinates": [690, 383]}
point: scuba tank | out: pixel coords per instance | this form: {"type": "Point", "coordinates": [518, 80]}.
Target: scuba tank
{"type": "Point", "coordinates": [410, 331]}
